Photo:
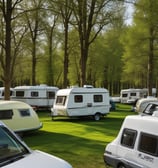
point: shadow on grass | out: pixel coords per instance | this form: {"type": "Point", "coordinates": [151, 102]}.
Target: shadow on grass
{"type": "Point", "coordinates": [76, 150]}
{"type": "Point", "coordinates": [80, 141]}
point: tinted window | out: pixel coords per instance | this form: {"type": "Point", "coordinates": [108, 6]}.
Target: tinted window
{"type": "Point", "coordinates": [78, 98]}
{"type": "Point", "coordinates": [6, 114]}
{"type": "Point", "coordinates": [98, 98]}
{"type": "Point", "coordinates": [128, 138]}
{"type": "Point", "coordinates": [51, 95]}
{"type": "Point", "coordinates": [61, 100]}
{"type": "Point", "coordinates": [10, 148]}
{"type": "Point", "coordinates": [148, 144]}
{"type": "Point", "coordinates": [150, 109]}
{"type": "Point", "coordinates": [20, 93]}
{"type": "Point", "coordinates": [34, 94]}
{"type": "Point", "coordinates": [124, 95]}
{"type": "Point", "coordinates": [132, 94]}
{"type": "Point", "coordinates": [24, 112]}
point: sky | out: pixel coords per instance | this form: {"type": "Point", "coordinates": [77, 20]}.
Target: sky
{"type": "Point", "coordinates": [129, 13]}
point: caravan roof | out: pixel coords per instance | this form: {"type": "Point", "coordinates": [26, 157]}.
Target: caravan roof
{"type": "Point", "coordinates": [79, 90]}
{"type": "Point", "coordinates": [139, 122]}
{"type": "Point", "coordinates": [38, 87]}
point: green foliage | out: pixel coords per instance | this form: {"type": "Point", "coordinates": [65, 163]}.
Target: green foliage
{"type": "Point", "coordinates": [140, 43]}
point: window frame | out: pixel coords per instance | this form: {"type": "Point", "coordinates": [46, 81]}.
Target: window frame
{"type": "Point", "coordinates": [98, 98]}
{"type": "Point", "coordinates": [140, 149]}
{"type": "Point", "coordinates": [60, 100]}
{"type": "Point", "coordinates": [51, 94]}
{"type": "Point", "coordinates": [25, 112]}
{"type": "Point", "coordinates": [34, 93]}
{"type": "Point", "coordinates": [133, 94]}
{"type": "Point", "coordinates": [127, 130]}
{"type": "Point", "coordinates": [124, 95]}
{"type": "Point", "coordinates": [78, 98]}
{"type": "Point", "coordinates": [6, 114]}
{"type": "Point", "coordinates": [20, 93]}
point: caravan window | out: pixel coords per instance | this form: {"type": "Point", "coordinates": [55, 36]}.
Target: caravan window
{"type": "Point", "coordinates": [148, 144]}
{"type": "Point", "coordinates": [124, 95]}
{"type": "Point", "coordinates": [6, 114]}
{"type": "Point", "coordinates": [78, 98]}
{"type": "Point", "coordinates": [133, 94]}
{"type": "Point", "coordinates": [60, 100]}
{"type": "Point", "coordinates": [98, 98]}
{"type": "Point", "coordinates": [24, 112]}
{"type": "Point", "coordinates": [34, 94]}
{"type": "Point", "coordinates": [20, 93]}
{"type": "Point", "coordinates": [11, 93]}
{"type": "Point", "coordinates": [128, 138]}
{"type": "Point", "coordinates": [51, 95]}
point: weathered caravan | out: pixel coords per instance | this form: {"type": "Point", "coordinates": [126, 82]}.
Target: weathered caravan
{"type": "Point", "coordinates": [41, 96]}
{"type": "Point", "coordinates": [19, 116]}
{"type": "Point", "coordinates": [81, 101]}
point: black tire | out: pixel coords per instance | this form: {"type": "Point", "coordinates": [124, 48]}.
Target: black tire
{"type": "Point", "coordinates": [97, 116]}
{"type": "Point", "coordinates": [121, 166]}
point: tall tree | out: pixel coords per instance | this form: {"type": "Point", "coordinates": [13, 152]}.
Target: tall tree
{"type": "Point", "coordinates": [10, 41]}
{"type": "Point", "coordinates": [66, 11]}
{"type": "Point", "coordinates": [92, 16]}
{"type": "Point", "coordinates": [33, 15]}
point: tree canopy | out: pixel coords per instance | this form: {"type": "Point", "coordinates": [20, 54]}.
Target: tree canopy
{"type": "Point", "coordinates": [69, 42]}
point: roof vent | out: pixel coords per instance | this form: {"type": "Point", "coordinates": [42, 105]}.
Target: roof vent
{"type": "Point", "coordinates": [88, 86]}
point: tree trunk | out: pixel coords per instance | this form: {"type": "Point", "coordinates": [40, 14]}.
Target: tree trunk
{"type": "Point", "coordinates": [34, 63]}
{"type": "Point", "coordinates": [7, 70]}
{"type": "Point", "coordinates": [150, 62]}
{"type": "Point", "coordinates": [66, 58]}
{"type": "Point", "coordinates": [50, 66]}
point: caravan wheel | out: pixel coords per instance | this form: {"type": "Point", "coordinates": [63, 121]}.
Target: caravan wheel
{"type": "Point", "coordinates": [121, 166]}
{"type": "Point", "coordinates": [97, 116]}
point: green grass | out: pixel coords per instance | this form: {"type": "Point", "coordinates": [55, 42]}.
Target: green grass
{"type": "Point", "coordinates": [79, 141]}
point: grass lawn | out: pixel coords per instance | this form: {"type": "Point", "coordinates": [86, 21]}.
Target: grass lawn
{"type": "Point", "coordinates": [79, 141]}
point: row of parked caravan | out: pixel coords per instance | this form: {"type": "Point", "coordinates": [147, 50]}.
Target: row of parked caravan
{"type": "Point", "coordinates": [73, 101]}
{"type": "Point", "coordinates": [20, 115]}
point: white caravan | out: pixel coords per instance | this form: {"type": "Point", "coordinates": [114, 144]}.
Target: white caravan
{"type": "Point", "coordinates": [131, 95]}
{"type": "Point", "coordinates": [142, 103]}
{"type": "Point", "coordinates": [41, 96]}
{"type": "Point", "coordinates": [81, 101]}
{"type": "Point", "coordinates": [136, 145]}
{"type": "Point", "coordinates": [2, 89]}
{"type": "Point", "coordinates": [19, 116]}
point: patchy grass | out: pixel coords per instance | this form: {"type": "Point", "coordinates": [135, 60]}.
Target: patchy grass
{"type": "Point", "coordinates": [79, 141]}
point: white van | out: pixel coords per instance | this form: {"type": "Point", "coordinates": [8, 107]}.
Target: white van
{"type": "Point", "coordinates": [19, 116]}
{"type": "Point", "coordinates": [14, 153]}
{"type": "Point", "coordinates": [136, 145]}
{"type": "Point", "coordinates": [129, 96]}
{"type": "Point", "coordinates": [81, 101]}
{"type": "Point", "coordinates": [41, 96]}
